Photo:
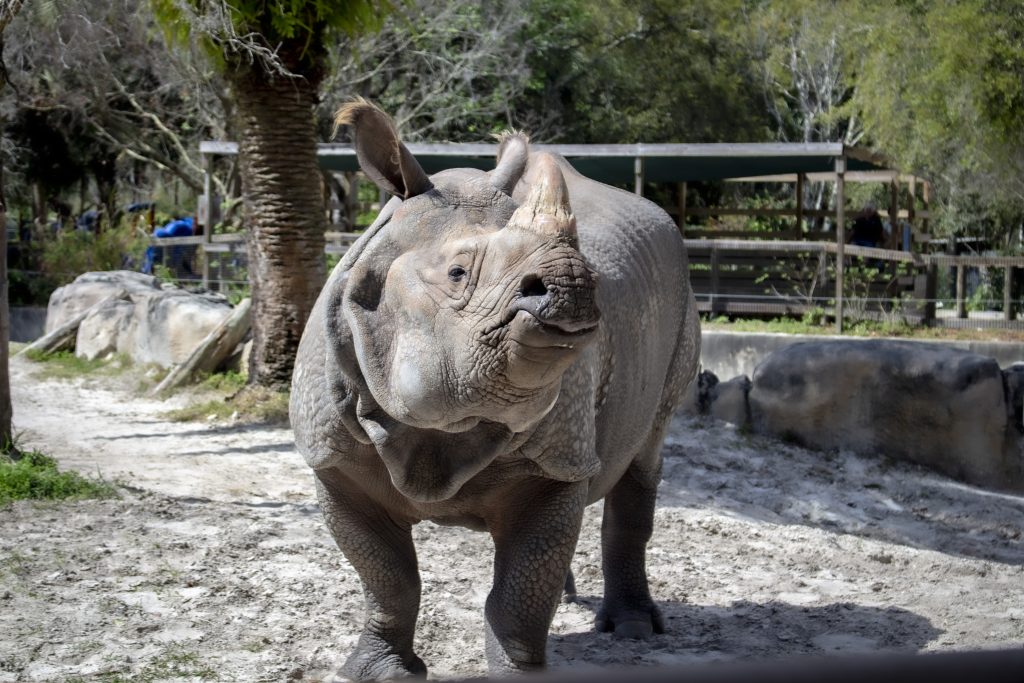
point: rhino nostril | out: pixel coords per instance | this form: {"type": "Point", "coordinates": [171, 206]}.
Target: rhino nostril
{"type": "Point", "coordinates": [532, 286]}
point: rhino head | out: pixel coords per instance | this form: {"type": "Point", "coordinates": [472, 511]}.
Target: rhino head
{"type": "Point", "coordinates": [455, 318]}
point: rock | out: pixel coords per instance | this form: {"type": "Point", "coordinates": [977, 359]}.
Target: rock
{"type": "Point", "coordinates": [1013, 388]}
{"type": "Point", "coordinates": [697, 395]}
{"type": "Point", "coordinates": [929, 404]}
{"type": "Point", "coordinates": [159, 324]}
{"type": "Point", "coordinates": [728, 401]}
{"type": "Point", "coordinates": [106, 330]}
{"type": "Point", "coordinates": [91, 288]}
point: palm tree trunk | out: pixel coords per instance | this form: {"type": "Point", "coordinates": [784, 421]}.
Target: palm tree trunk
{"type": "Point", "coordinates": [283, 204]}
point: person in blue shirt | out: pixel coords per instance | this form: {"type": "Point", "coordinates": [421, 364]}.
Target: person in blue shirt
{"type": "Point", "coordinates": [179, 227]}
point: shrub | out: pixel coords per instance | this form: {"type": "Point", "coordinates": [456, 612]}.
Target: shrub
{"type": "Point", "coordinates": [70, 253]}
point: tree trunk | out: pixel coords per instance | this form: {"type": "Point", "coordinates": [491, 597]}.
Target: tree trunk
{"type": "Point", "coordinates": [284, 214]}
{"type": "Point", "coordinates": [6, 411]}
{"type": "Point", "coordinates": [7, 12]}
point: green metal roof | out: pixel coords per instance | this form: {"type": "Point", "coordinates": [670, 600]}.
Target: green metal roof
{"type": "Point", "coordinates": [616, 164]}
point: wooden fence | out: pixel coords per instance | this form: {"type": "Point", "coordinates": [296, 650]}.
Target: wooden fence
{"type": "Point", "coordinates": [794, 277]}
{"type": "Point", "coordinates": [748, 277]}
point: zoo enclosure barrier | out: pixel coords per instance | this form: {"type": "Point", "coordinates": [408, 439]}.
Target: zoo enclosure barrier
{"type": "Point", "coordinates": [783, 277]}
{"type": "Point", "coordinates": [761, 275]}
{"type": "Point", "coordinates": [730, 277]}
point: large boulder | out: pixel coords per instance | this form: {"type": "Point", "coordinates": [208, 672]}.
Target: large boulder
{"type": "Point", "coordinates": [109, 329]}
{"type": "Point", "coordinates": [152, 323]}
{"type": "Point", "coordinates": [930, 404]}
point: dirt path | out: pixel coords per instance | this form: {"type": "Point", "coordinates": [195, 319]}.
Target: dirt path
{"type": "Point", "coordinates": [214, 564]}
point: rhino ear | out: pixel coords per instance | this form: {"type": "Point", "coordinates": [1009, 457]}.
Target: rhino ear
{"type": "Point", "coordinates": [381, 154]}
{"type": "Point", "coordinates": [513, 152]}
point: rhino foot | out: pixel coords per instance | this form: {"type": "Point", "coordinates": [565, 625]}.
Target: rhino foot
{"type": "Point", "coordinates": [637, 622]}
{"type": "Point", "coordinates": [374, 660]}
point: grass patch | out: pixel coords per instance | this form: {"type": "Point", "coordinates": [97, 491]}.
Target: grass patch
{"type": "Point", "coordinates": [250, 405]}
{"type": "Point", "coordinates": [230, 381]}
{"type": "Point", "coordinates": [66, 365]}
{"type": "Point", "coordinates": [35, 476]}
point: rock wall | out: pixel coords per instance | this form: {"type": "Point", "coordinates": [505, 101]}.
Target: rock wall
{"type": "Point", "coordinates": [948, 409]}
{"type": "Point", "coordinates": [154, 323]}
{"type": "Point", "coordinates": [730, 354]}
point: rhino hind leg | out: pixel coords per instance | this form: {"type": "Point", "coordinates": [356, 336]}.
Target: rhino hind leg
{"type": "Point", "coordinates": [569, 591]}
{"type": "Point", "coordinates": [382, 552]}
{"type": "Point", "coordinates": [626, 527]}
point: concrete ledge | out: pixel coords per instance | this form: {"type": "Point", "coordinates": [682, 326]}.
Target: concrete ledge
{"type": "Point", "coordinates": [730, 354]}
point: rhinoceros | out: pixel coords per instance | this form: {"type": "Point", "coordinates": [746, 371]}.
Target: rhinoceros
{"type": "Point", "coordinates": [498, 350]}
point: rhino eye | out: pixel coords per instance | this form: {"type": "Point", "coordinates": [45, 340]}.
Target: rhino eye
{"type": "Point", "coordinates": [456, 273]}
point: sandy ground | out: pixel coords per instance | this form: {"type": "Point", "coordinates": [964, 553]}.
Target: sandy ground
{"type": "Point", "coordinates": [214, 563]}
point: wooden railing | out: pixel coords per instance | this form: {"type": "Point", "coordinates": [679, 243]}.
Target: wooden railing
{"type": "Point", "coordinates": [780, 277]}
{"type": "Point", "coordinates": [793, 277]}
{"type": "Point", "coordinates": [221, 245]}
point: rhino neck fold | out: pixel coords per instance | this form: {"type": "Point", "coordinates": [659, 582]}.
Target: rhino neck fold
{"type": "Point", "coordinates": [428, 465]}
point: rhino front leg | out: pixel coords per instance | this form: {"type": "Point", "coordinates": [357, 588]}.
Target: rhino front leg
{"type": "Point", "coordinates": [535, 535]}
{"type": "Point", "coordinates": [625, 530]}
{"type": "Point", "coordinates": [382, 552]}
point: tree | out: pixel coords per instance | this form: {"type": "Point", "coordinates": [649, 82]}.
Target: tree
{"type": "Point", "coordinates": [807, 59]}
{"type": "Point", "coordinates": [647, 70]}
{"type": "Point", "coordinates": [941, 89]}
{"type": "Point", "coordinates": [8, 8]}
{"type": "Point", "coordinates": [807, 55]}
{"type": "Point", "coordinates": [273, 57]}
{"type": "Point", "coordinates": [443, 69]}
{"type": "Point", "coordinates": [97, 94]}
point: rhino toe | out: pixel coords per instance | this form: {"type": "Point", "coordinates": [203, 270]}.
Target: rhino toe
{"type": "Point", "coordinates": [370, 664]}
{"type": "Point", "coordinates": [632, 623]}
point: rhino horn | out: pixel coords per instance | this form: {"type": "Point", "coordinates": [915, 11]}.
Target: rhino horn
{"type": "Point", "coordinates": [546, 208]}
{"type": "Point", "coordinates": [513, 151]}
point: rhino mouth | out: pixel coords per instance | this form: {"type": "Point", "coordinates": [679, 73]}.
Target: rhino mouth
{"type": "Point", "coordinates": [533, 331]}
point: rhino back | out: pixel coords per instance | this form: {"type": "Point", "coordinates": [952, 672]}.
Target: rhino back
{"type": "Point", "coordinates": [649, 346]}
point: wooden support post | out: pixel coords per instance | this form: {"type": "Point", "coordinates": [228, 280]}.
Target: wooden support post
{"type": "Point", "coordinates": [352, 200]}
{"type": "Point", "coordinates": [895, 232]}
{"type": "Point", "coordinates": [840, 238]}
{"type": "Point", "coordinates": [682, 209]}
{"type": "Point", "coordinates": [930, 290]}
{"type": "Point", "coordinates": [926, 192]}
{"type": "Point", "coordinates": [714, 280]}
{"type": "Point", "coordinates": [638, 176]}
{"type": "Point", "coordinates": [208, 225]}
{"type": "Point", "coordinates": [911, 201]}
{"type": "Point", "coordinates": [800, 179]}
{"type": "Point", "coordinates": [1008, 293]}
{"type": "Point", "coordinates": [961, 303]}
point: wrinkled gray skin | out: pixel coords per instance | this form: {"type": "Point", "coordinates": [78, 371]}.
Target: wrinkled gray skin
{"type": "Point", "coordinates": [484, 357]}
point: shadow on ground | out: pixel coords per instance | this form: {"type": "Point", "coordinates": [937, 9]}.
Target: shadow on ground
{"type": "Point", "coordinates": [748, 630]}
{"type": "Point", "coordinates": [713, 466]}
